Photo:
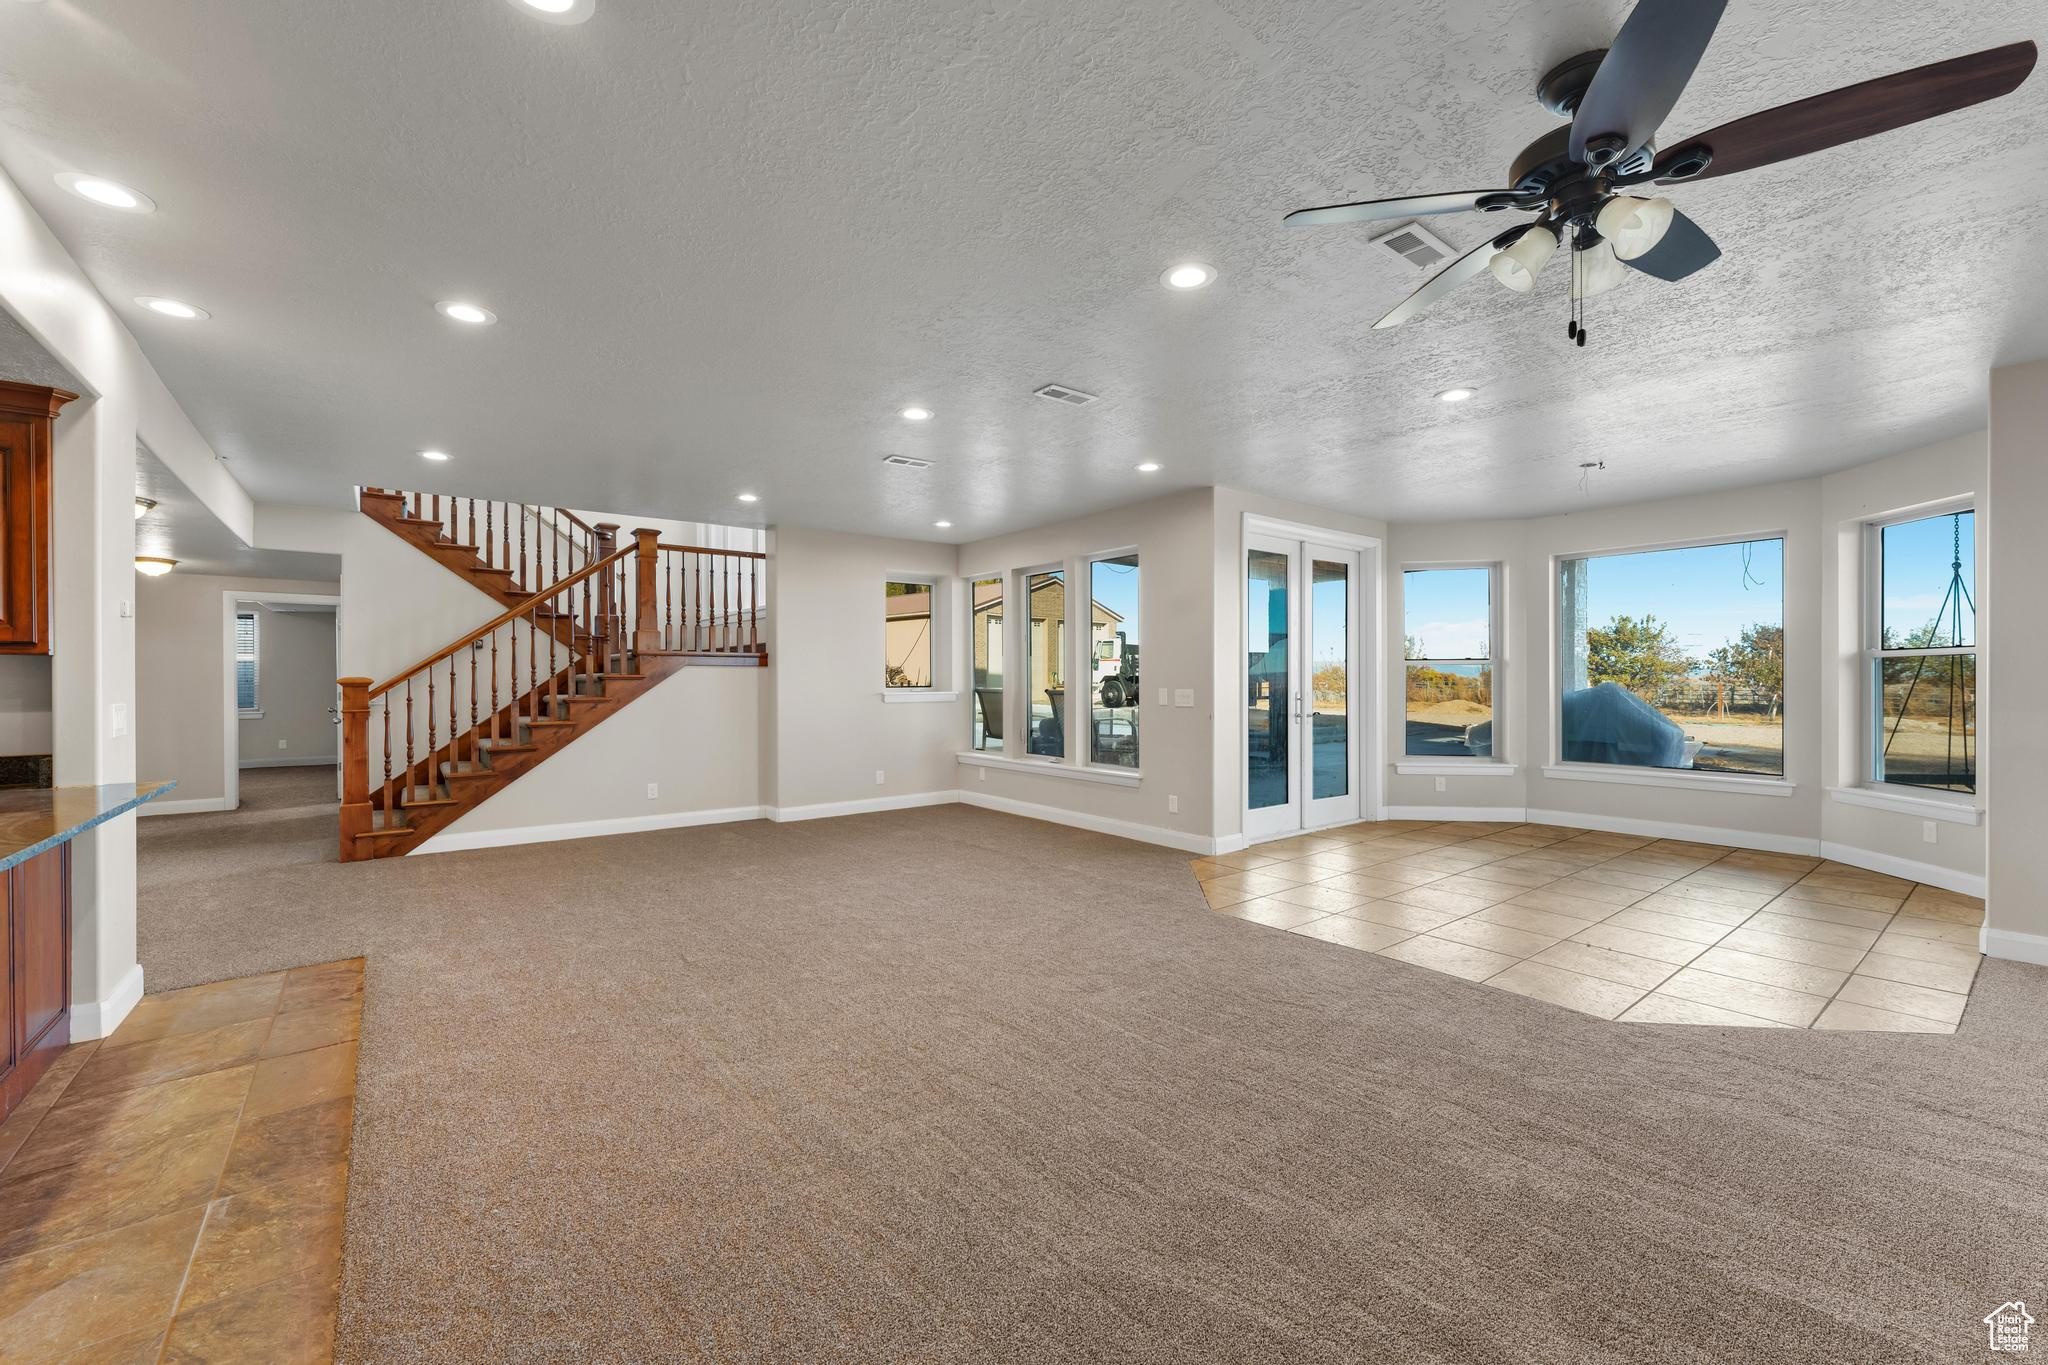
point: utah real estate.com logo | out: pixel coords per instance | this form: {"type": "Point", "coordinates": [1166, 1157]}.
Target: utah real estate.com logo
{"type": "Point", "coordinates": [2007, 1325]}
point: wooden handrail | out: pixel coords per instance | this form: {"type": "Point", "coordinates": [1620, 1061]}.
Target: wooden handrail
{"type": "Point", "coordinates": [708, 550]}
{"type": "Point", "coordinates": [505, 618]}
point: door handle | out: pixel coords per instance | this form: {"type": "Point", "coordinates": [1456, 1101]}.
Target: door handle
{"type": "Point", "coordinates": [1297, 707]}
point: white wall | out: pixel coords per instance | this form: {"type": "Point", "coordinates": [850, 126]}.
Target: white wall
{"type": "Point", "coordinates": [295, 676]}
{"type": "Point", "coordinates": [180, 646]}
{"type": "Point", "coordinates": [26, 726]}
{"type": "Point", "coordinates": [2012, 665]}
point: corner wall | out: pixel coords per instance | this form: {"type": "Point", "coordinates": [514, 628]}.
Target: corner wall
{"type": "Point", "coordinates": [2013, 665]}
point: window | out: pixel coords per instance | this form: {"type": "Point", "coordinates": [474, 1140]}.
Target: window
{"type": "Point", "coordinates": [1923, 681]}
{"type": "Point", "coordinates": [1113, 695]}
{"type": "Point", "coordinates": [245, 663]}
{"type": "Point", "coordinates": [1044, 693]}
{"type": "Point", "coordinates": [1447, 639]}
{"type": "Point", "coordinates": [985, 611]}
{"type": "Point", "coordinates": [909, 655]}
{"type": "Point", "coordinates": [1674, 658]}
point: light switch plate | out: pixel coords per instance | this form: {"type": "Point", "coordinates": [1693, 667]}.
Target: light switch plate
{"type": "Point", "coordinates": [117, 719]}
{"type": "Point", "coordinates": [1183, 696]}
{"type": "Point", "coordinates": [1165, 698]}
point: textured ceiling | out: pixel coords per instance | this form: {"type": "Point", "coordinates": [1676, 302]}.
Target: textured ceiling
{"type": "Point", "coordinates": [728, 241]}
{"type": "Point", "coordinates": [180, 527]}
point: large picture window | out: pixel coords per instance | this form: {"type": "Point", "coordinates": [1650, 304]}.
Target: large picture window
{"type": "Point", "coordinates": [1924, 660]}
{"type": "Point", "coordinates": [985, 630]}
{"type": "Point", "coordinates": [909, 635]}
{"type": "Point", "coordinates": [1675, 658]}
{"type": "Point", "coordinates": [1113, 697]}
{"type": "Point", "coordinates": [1447, 640]}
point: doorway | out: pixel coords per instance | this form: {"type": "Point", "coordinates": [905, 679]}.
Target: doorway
{"type": "Point", "coordinates": [1306, 679]}
{"type": "Point", "coordinates": [283, 717]}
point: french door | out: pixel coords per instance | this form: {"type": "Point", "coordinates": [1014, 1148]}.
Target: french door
{"type": "Point", "coordinates": [1304, 657]}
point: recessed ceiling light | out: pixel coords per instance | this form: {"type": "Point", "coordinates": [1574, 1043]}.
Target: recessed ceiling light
{"type": "Point", "coordinates": [1191, 275]}
{"type": "Point", "coordinates": [172, 308]}
{"type": "Point", "coordinates": [437, 456]}
{"type": "Point", "coordinates": [475, 314]}
{"type": "Point", "coordinates": [143, 507]}
{"type": "Point", "coordinates": [154, 566]}
{"type": "Point", "coordinates": [750, 497]}
{"type": "Point", "coordinates": [1149, 467]}
{"type": "Point", "coordinates": [558, 11]}
{"type": "Point", "coordinates": [1455, 395]}
{"type": "Point", "coordinates": [917, 414]}
{"type": "Point", "coordinates": [107, 193]}
{"type": "Point", "coordinates": [943, 525]}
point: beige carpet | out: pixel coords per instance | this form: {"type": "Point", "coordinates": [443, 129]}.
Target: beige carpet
{"type": "Point", "coordinates": [947, 1085]}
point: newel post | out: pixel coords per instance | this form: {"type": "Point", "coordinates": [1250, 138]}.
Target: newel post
{"type": "Point", "coordinates": [355, 766]}
{"type": "Point", "coordinates": [646, 622]}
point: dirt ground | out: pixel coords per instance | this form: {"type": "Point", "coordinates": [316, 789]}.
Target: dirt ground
{"type": "Point", "coordinates": [1450, 712]}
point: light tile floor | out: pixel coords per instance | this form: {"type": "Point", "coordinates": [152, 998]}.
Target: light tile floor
{"type": "Point", "coordinates": [1647, 930]}
{"type": "Point", "coordinates": [176, 1192]}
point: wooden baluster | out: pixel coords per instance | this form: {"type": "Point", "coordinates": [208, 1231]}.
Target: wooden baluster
{"type": "Point", "coordinates": [522, 579]}
{"type": "Point", "coordinates": [496, 731]}
{"type": "Point", "coordinates": [533, 668]}
{"type": "Point", "coordinates": [432, 743]}
{"type": "Point", "coordinates": [505, 530]}
{"type": "Point", "coordinates": [388, 807]}
{"type": "Point", "coordinates": [454, 730]}
{"type": "Point", "coordinates": [554, 639]}
{"type": "Point", "coordinates": [697, 633]}
{"type": "Point", "coordinates": [512, 630]}
{"type": "Point", "coordinates": [668, 603]}
{"type": "Point", "coordinates": [470, 539]}
{"type": "Point", "coordinates": [724, 602]}
{"type": "Point", "coordinates": [490, 539]}
{"type": "Point", "coordinates": [408, 739]}
{"type": "Point", "coordinates": [355, 765]}
{"type": "Point", "coordinates": [754, 604]}
{"type": "Point", "coordinates": [555, 556]}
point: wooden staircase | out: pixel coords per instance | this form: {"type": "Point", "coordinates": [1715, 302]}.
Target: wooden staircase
{"type": "Point", "coordinates": [510, 550]}
{"type": "Point", "coordinates": [428, 745]}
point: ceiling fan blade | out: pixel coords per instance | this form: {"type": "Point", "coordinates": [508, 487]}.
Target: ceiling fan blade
{"type": "Point", "coordinates": [1414, 206]}
{"type": "Point", "coordinates": [1686, 248]}
{"type": "Point", "coordinates": [1643, 73]}
{"type": "Point", "coordinates": [1851, 113]}
{"type": "Point", "coordinates": [1467, 266]}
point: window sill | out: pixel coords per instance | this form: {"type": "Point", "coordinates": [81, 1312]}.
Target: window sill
{"type": "Point", "coordinates": [1046, 767]}
{"type": "Point", "coordinates": [1923, 807]}
{"type": "Point", "coordinates": [896, 696]}
{"type": "Point", "coordinates": [1681, 778]}
{"type": "Point", "coordinates": [249, 715]}
{"type": "Point", "coordinates": [1478, 767]}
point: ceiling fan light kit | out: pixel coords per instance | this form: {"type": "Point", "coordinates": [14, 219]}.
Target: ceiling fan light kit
{"type": "Point", "coordinates": [1576, 178]}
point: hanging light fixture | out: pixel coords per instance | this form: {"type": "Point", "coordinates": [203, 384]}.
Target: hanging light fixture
{"type": "Point", "coordinates": [1598, 271]}
{"type": "Point", "coordinates": [155, 566]}
{"type": "Point", "coordinates": [143, 507]}
{"type": "Point", "coordinates": [1633, 225]}
{"type": "Point", "coordinates": [1517, 266]}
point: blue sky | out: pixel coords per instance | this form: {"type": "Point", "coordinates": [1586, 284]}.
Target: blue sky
{"type": "Point", "coordinates": [1116, 586]}
{"type": "Point", "coordinates": [1706, 594]}
{"type": "Point", "coordinates": [1917, 555]}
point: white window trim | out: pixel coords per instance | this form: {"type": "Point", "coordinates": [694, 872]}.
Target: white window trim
{"type": "Point", "coordinates": [1957, 811]}
{"type": "Point", "coordinates": [1685, 779]}
{"type": "Point", "coordinates": [930, 583]}
{"type": "Point", "coordinates": [1899, 796]}
{"type": "Point", "coordinates": [1453, 767]}
{"type": "Point", "coordinates": [1496, 580]}
{"type": "Point", "coordinates": [1053, 767]}
{"type": "Point", "coordinates": [897, 696]}
{"type": "Point", "coordinates": [255, 666]}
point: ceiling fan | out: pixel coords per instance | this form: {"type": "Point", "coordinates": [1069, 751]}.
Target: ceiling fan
{"type": "Point", "coordinates": [1576, 179]}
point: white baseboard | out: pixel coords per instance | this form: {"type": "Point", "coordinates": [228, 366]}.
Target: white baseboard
{"type": "Point", "coordinates": [1490, 814]}
{"type": "Point", "coordinates": [458, 841]}
{"type": "Point", "coordinates": [92, 1019]}
{"type": "Point", "coordinates": [1670, 829]}
{"type": "Point", "coordinates": [1947, 878]}
{"type": "Point", "coordinates": [2015, 947]}
{"type": "Point", "coordinates": [191, 807]}
{"type": "Point", "coordinates": [832, 809]}
{"type": "Point", "coordinates": [328, 762]}
{"type": "Point", "coordinates": [1100, 824]}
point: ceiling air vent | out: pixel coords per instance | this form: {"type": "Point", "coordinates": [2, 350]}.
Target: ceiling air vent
{"type": "Point", "coordinates": [1060, 393]}
{"type": "Point", "coordinates": [906, 462]}
{"type": "Point", "coordinates": [1416, 245]}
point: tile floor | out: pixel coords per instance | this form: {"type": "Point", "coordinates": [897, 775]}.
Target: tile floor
{"type": "Point", "coordinates": [176, 1192]}
{"type": "Point", "coordinates": [1649, 930]}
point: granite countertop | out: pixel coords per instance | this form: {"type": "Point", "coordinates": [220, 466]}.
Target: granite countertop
{"type": "Point", "coordinates": [33, 820]}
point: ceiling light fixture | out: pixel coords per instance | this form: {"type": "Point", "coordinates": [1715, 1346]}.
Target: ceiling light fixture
{"type": "Point", "coordinates": [173, 308]}
{"type": "Point", "coordinates": [154, 566]}
{"type": "Point", "coordinates": [1518, 266]}
{"type": "Point", "coordinates": [143, 507]}
{"type": "Point", "coordinates": [437, 456]}
{"type": "Point", "coordinates": [558, 11]}
{"type": "Point", "coordinates": [107, 193]}
{"type": "Point", "coordinates": [1456, 395]}
{"type": "Point", "coordinates": [1149, 467]}
{"type": "Point", "coordinates": [1598, 271]}
{"type": "Point", "coordinates": [914, 414]}
{"type": "Point", "coordinates": [1633, 225]}
{"type": "Point", "coordinates": [943, 525]}
{"type": "Point", "coordinates": [474, 314]}
{"type": "Point", "coordinates": [750, 497]}
{"type": "Point", "coordinates": [1190, 275]}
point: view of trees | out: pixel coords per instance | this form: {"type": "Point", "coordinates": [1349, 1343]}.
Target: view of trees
{"type": "Point", "coordinates": [1640, 654]}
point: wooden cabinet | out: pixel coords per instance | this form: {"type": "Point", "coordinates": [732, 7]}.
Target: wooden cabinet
{"type": "Point", "coordinates": [26, 414]}
{"type": "Point", "coordinates": [35, 985]}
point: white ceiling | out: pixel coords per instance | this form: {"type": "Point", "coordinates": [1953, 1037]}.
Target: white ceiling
{"type": "Point", "coordinates": [180, 527]}
{"type": "Point", "coordinates": [729, 240]}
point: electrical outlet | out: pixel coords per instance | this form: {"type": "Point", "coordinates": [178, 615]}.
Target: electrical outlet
{"type": "Point", "coordinates": [127, 610]}
{"type": "Point", "coordinates": [1183, 696]}
{"type": "Point", "coordinates": [880, 777]}
{"type": "Point", "coordinates": [280, 744]}
{"type": "Point", "coordinates": [1439, 784]}
{"type": "Point", "coordinates": [983, 772]}
{"type": "Point", "coordinates": [1926, 831]}
{"type": "Point", "coordinates": [653, 791]}
{"type": "Point", "coordinates": [1173, 805]}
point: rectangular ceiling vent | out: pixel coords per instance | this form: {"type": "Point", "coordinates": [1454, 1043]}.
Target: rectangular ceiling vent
{"type": "Point", "coordinates": [1060, 393]}
{"type": "Point", "coordinates": [1416, 245]}
{"type": "Point", "coordinates": [906, 462]}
